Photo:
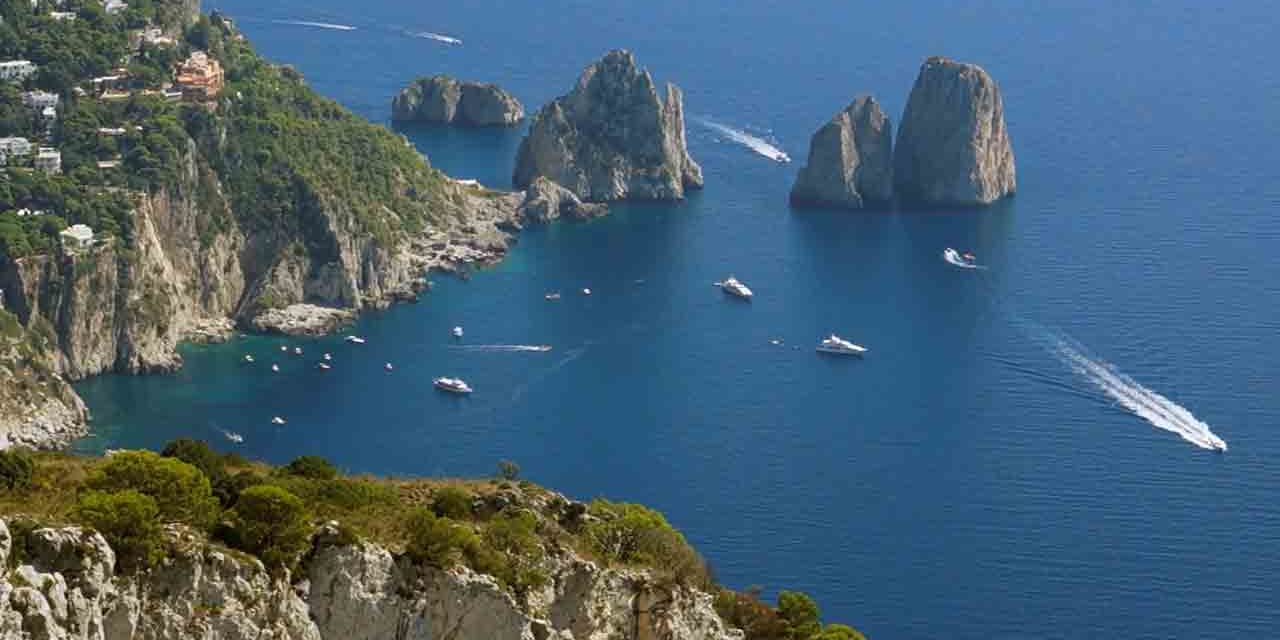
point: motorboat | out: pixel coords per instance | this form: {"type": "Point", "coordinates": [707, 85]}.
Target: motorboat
{"type": "Point", "coordinates": [275, 368]}
{"type": "Point", "coordinates": [248, 358]}
{"type": "Point", "coordinates": [837, 345]}
{"type": "Point", "coordinates": [233, 436]}
{"type": "Point", "coordinates": [586, 291]}
{"type": "Point", "coordinates": [388, 366]}
{"type": "Point", "coordinates": [962, 260]}
{"type": "Point", "coordinates": [542, 348]}
{"type": "Point", "coordinates": [277, 420]}
{"type": "Point", "coordinates": [457, 332]}
{"type": "Point", "coordinates": [734, 287]}
{"type": "Point", "coordinates": [284, 348]}
{"type": "Point", "coordinates": [776, 342]}
{"type": "Point", "coordinates": [552, 296]}
{"type": "Point", "coordinates": [328, 357]}
{"type": "Point", "coordinates": [452, 385]}
{"type": "Point", "coordinates": [354, 339]}
{"type": "Point", "coordinates": [780, 157]}
{"type": "Point", "coordinates": [324, 366]}
{"type": "Point", "coordinates": [297, 351]}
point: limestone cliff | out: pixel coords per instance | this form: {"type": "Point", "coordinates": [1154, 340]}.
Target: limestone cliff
{"type": "Point", "coordinates": [545, 201]}
{"type": "Point", "coordinates": [611, 138]}
{"type": "Point", "coordinates": [37, 406]}
{"type": "Point", "coordinates": [953, 147]}
{"type": "Point", "coordinates": [444, 100]}
{"type": "Point", "coordinates": [850, 159]}
{"type": "Point", "coordinates": [64, 583]}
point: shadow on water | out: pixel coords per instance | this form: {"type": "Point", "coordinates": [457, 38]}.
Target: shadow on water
{"type": "Point", "coordinates": [487, 154]}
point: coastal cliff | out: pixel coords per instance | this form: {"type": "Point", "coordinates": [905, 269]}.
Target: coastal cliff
{"type": "Point", "coordinates": [953, 146]}
{"type": "Point", "coordinates": [850, 159]}
{"type": "Point", "coordinates": [444, 100]}
{"type": "Point", "coordinates": [611, 138]}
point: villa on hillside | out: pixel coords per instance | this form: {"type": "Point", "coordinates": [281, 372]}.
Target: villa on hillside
{"type": "Point", "coordinates": [200, 78]}
{"type": "Point", "coordinates": [77, 236]}
{"type": "Point", "coordinates": [17, 70]}
{"type": "Point", "coordinates": [49, 160]}
{"type": "Point", "coordinates": [13, 148]}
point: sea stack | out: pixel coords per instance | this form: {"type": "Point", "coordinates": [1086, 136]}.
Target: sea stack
{"type": "Point", "coordinates": [850, 160]}
{"type": "Point", "coordinates": [444, 100]}
{"type": "Point", "coordinates": [611, 138]}
{"type": "Point", "coordinates": [953, 148]}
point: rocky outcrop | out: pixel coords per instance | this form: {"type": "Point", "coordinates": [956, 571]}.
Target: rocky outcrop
{"type": "Point", "coordinates": [953, 147]}
{"type": "Point", "coordinates": [302, 320]}
{"type": "Point", "coordinates": [65, 584]}
{"type": "Point", "coordinates": [444, 100]}
{"type": "Point", "coordinates": [38, 409]}
{"type": "Point", "coordinates": [850, 159]}
{"type": "Point", "coordinates": [545, 201]}
{"type": "Point", "coordinates": [611, 138]}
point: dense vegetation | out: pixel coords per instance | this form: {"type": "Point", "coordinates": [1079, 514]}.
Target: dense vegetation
{"type": "Point", "coordinates": [497, 526]}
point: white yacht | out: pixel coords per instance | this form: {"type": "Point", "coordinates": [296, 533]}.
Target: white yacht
{"type": "Point", "coordinates": [284, 348]}
{"type": "Point", "coordinates": [837, 345]}
{"type": "Point", "coordinates": [248, 358]}
{"type": "Point", "coordinates": [733, 287]}
{"type": "Point", "coordinates": [552, 296]}
{"type": "Point", "coordinates": [388, 366]}
{"type": "Point", "coordinates": [354, 339]}
{"type": "Point", "coordinates": [324, 366]}
{"type": "Point", "coordinates": [233, 436]}
{"type": "Point", "coordinates": [962, 260]}
{"type": "Point", "coordinates": [275, 368]}
{"type": "Point", "coordinates": [277, 420]}
{"type": "Point", "coordinates": [297, 351]}
{"type": "Point", "coordinates": [328, 357]}
{"type": "Point", "coordinates": [452, 385]}
{"type": "Point", "coordinates": [457, 332]}
{"type": "Point", "coordinates": [586, 292]}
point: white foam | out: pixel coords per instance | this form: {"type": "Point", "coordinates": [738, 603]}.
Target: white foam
{"type": "Point", "coordinates": [504, 347]}
{"type": "Point", "coordinates": [318, 25]}
{"type": "Point", "coordinates": [758, 145]}
{"type": "Point", "coordinates": [1156, 409]}
{"type": "Point", "coordinates": [438, 37]}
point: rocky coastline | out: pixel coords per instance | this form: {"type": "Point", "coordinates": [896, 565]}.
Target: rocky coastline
{"type": "Point", "coordinates": [444, 100]}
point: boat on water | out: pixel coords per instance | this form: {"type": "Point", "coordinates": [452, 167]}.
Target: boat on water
{"type": "Point", "coordinates": [354, 339]}
{"type": "Point", "coordinates": [586, 291]}
{"type": "Point", "coordinates": [734, 287]}
{"type": "Point", "coordinates": [248, 358]}
{"type": "Point", "coordinates": [275, 368]}
{"type": "Point", "coordinates": [328, 357]}
{"type": "Point", "coordinates": [324, 366]}
{"type": "Point", "coordinates": [452, 385]}
{"type": "Point", "coordinates": [284, 348]}
{"type": "Point", "coordinates": [457, 332]}
{"type": "Point", "coordinates": [552, 296]}
{"type": "Point", "coordinates": [233, 436]}
{"type": "Point", "coordinates": [277, 420]}
{"type": "Point", "coordinates": [297, 351]}
{"type": "Point", "coordinates": [962, 260]}
{"type": "Point", "coordinates": [388, 366]}
{"type": "Point", "coordinates": [839, 346]}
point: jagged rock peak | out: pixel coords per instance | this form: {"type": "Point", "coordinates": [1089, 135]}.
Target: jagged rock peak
{"type": "Point", "coordinates": [953, 147]}
{"type": "Point", "coordinates": [545, 201]}
{"type": "Point", "coordinates": [850, 159]}
{"type": "Point", "coordinates": [612, 137]}
{"type": "Point", "coordinates": [444, 100]}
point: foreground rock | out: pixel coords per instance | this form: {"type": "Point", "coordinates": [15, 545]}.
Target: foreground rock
{"type": "Point", "coordinates": [850, 159]}
{"type": "Point", "coordinates": [611, 138]}
{"type": "Point", "coordinates": [953, 147]}
{"type": "Point", "coordinates": [545, 201]}
{"type": "Point", "coordinates": [65, 584]}
{"type": "Point", "coordinates": [444, 100]}
{"type": "Point", "coordinates": [303, 320]}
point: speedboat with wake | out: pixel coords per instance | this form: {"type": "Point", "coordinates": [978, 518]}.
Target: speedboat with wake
{"type": "Point", "coordinates": [457, 332]}
{"type": "Point", "coordinates": [233, 436]}
{"type": "Point", "coordinates": [452, 385]}
{"type": "Point", "coordinates": [839, 346]}
{"type": "Point", "coordinates": [962, 260]}
{"type": "Point", "coordinates": [734, 287]}
{"type": "Point", "coordinates": [354, 339]}
{"type": "Point", "coordinates": [277, 421]}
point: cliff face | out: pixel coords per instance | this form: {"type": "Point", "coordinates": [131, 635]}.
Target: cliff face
{"type": "Point", "coordinates": [444, 100]}
{"type": "Point", "coordinates": [37, 406]}
{"type": "Point", "coordinates": [64, 584]}
{"type": "Point", "coordinates": [611, 138]}
{"type": "Point", "coordinates": [850, 159]}
{"type": "Point", "coordinates": [953, 147]}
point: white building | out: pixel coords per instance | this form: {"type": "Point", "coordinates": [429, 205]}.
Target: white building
{"type": "Point", "coordinates": [16, 70]}
{"type": "Point", "coordinates": [115, 6]}
{"type": "Point", "coordinates": [49, 160]}
{"type": "Point", "coordinates": [62, 15]}
{"type": "Point", "coordinates": [77, 236]}
{"type": "Point", "coordinates": [40, 100]}
{"type": "Point", "coordinates": [14, 148]}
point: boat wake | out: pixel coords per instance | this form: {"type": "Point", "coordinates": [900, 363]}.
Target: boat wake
{"type": "Point", "coordinates": [538, 348]}
{"type": "Point", "coordinates": [1156, 409]}
{"type": "Point", "coordinates": [756, 144]}
{"type": "Point", "coordinates": [953, 257]}
{"type": "Point", "coordinates": [318, 25]}
{"type": "Point", "coordinates": [438, 37]}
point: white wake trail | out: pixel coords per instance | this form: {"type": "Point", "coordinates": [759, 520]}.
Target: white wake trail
{"type": "Point", "coordinates": [756, 144]}
{"type": "Point", "coordinates": [539, 348]}
{"type": "Point", "coordinates": [438, 37]}
{"type": "Point", "coordinates": [318, 25]}
{"type": "Point", "coordinates": [1156, 409]}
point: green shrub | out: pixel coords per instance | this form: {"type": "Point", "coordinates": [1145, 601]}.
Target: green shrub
{"type": "Point", "coordinates": [746, 611]}
{"type": "Point", "coordinates": [452, 502]}
{"type": "Point", "coordinates": [800, 613]}
{"type": "Point", "coordinates": [16, 469]}
{"type": "Point", "coordinates": [214, 466]}
{"type": "Point", "coordinates": [509, 551]}
{"type": "Point", "coordinates": [128, 520]}
{"type": "Point", "coordinates": [272, 524]}
{"type": "Point", "coordinates": [313, 467]}
{"type": "Point", "coordinates": [634, 534]}
{"type": "Point", "coordinates": [839, 632]}
{"type": "Point", "coordinates": [508, 470]}
{"type": "Point", "coordinates": [434, 541]}
{"type": "Point", "coordinates": [180, 490]}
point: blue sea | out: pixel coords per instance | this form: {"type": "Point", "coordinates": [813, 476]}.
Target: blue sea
{"type": "Point", "coordinates": [1019, 455]}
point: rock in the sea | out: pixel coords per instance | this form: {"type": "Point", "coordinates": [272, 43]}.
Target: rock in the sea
{"type": "Point", "coordinates": [611, 138]}
{"type": "Point", "coordinates": [303, 320]}
{"type": "Point", "coordinates": [850, 159]}
{"type": "Point", "coordinates": [444, 100]}
{"type": "Point", "coordinates": [953, 147]}
{"type": "Point", "coordinates": [545, 201]}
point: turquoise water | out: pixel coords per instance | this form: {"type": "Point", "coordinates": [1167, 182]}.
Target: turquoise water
{"type": "Point", "coordinates": [961, 481]}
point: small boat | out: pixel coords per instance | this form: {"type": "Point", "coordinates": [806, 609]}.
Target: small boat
{"type": "Point", "coordinates": [552, 296]}
{"type": "Point", "coordinates": [388, 366]}
{"type": "Point", "coordinates": [457, 332]}
{"type": "Point", "coordinates": [839, 346]}
{"type": "Point", "coordinates": [248, 358]}
{"type": "Point", "coordinates": [284, 348]}
{"type": "Point", "coordinates": [452, 385]}
{"type": "Point", "coordinates": [733, 287]}
{"type": "Point", "coordinates": [277, 420]}
{"type": "Point", "coordinates": [354, 339]}
{"type": "Point", "coordinates": [965, 261]}
{"type": "Point", "coordinates": [233, 436]}
{"type": "Point", "coordinates": [328, 357]}
{"type": "Point", "coordinates": [776, 341]}
{"type": "Point", "coordinates": [275, 368]}
{"type": "Point", "coordinates": [542, 348]}
{"type": "Point", "coordinates": [324, 366]}
{"type": "Point", "coordinates": [586, 291]}
{"type": "Point", "coordinates": [297, 351]}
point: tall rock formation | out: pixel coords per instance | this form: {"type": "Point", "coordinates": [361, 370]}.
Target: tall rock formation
{"type": "Point", "coordinates": [444, 100]}
{"type": "Point", "coordinates": [953, 147]}
{"type": "Point", "coordinates": [611, 138]}
{"type": "Point", "coordinates": [850, 159]}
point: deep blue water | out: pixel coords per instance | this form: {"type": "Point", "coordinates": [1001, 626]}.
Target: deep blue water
{"type": "Point", "coordinates": [962, 481]}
